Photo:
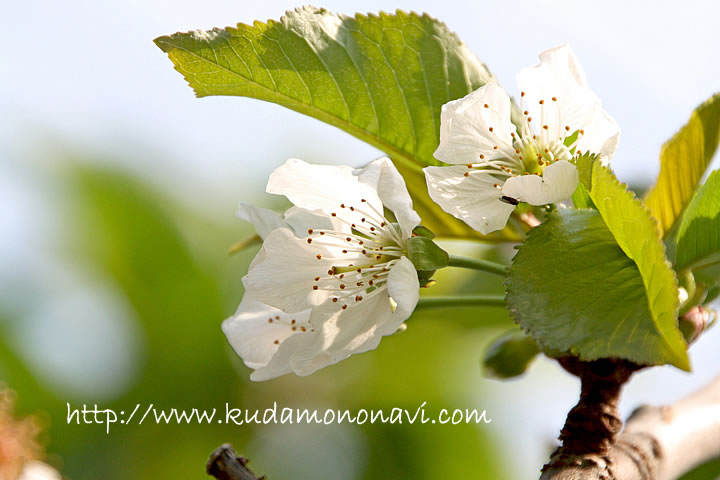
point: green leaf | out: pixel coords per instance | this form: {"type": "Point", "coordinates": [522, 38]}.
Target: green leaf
{"type": "Point", "coordinates": [575, 290]}
{"type": "Point", "coordinates": [683, 161]}
{"type": "Point", "coordinates": [422, 231]}
{"type": "Point", "coordinates": [426, 255]}
{"type": "Point", "coordinates": [510, 355]}
{"type": "Point", "coordinates": [698, 239]}
{"type": "Point", "coordinates": [636, 232]}
{"type": "Point", "coordinates": [382, 78]}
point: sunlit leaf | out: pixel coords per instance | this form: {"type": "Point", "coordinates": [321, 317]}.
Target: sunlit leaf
{"type": "Point", "coordinates": [382, 78]}
{"type": "Point", "coordinates": [575, 290]}
{"type": "Point", "coordinates": [683, 161]}
{"type": "Point", "coordinates": [698, 239]}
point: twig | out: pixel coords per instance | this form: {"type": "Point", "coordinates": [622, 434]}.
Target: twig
{"type": "Point", "coordinates": [658, 443]}
{"type": "Point", "coordinates": [225, 464]}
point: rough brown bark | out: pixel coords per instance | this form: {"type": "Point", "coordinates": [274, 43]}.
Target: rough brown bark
{"type": "Point", "coordinates": [658, 443]}
{"type": "Point", "coordinates": [225, 464]}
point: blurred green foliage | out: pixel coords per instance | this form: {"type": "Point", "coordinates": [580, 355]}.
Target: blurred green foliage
{"type": "Point", "coordinates": [169, 263]}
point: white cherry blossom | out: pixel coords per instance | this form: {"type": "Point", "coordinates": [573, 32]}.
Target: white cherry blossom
{"type": "Point", "coordinates": [496, 164]}
{"type": "Point", "coordinates": [318, 294]}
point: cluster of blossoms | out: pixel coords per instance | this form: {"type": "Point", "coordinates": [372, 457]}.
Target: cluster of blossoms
{"type": "Point", "coordinates": [333, 275]}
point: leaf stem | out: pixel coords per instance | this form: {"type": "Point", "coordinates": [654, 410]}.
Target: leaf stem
{"type": "Point", "coordinates": [477, 264]}
{"type": "Point", "coordinates": [461, 301]}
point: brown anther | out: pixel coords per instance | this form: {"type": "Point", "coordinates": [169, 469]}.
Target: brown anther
{"type": "Point", "coordinates": [547, 150]}
{"type": "Point", "coordinates": [269, 320]}
{"type": "Point", "coordinates": [341, 276]}
{"type": "Point", "coordinates": [534, 137]}
{"type": "Point", "coordinates": [363, 200]}
{"type": "Point", "coordinates": [378, 257]}
{"type": "Point", "coordinates": [517, 150]}
{"type": "Point", "coordinates": [352, 209]}
{"type": "Point", "coordinates": [344, 307]}
{"type": "Point", "coordinates": [292, 322]}
{"type": "Point", "coordinates": [466, 174]}
{"type": "Point", "coordinates": [382, 224]}
{"type": "Point", "coordinates": [334, 214]}
{"type": "Point", "coordinates": [342, 205]}
{"type": "Point", "coordinates": [344, 251]}
{"type": "Point", "coordinates": [315, 287]}
{"type": "Point", "coordinates": [342, 286]}
{"type": "Point", "coordinates": [542, 102]}
{"type": "Point", "coordinates": [303, 329]}
{"type": "Point", "coordinates": [335, 299]}
{"type": "Point", "coordinates": [310, 231]}
{"type": "Point", "coordinates": [359, 270]}
{"type": "Point", "coordinates": [364, 252]}
{"type": "Point", "coordinates": [360, 242]}
{"type": "Point", "coordinates": [469, 165]}
{"type": "Point", "coordinates": [582, 132]}
{"type": "Point", "coordinates": [372, 229]}
{"type": "Point", "coordinates": [567, 128]}
{"type": "Point", "coordinates": [330, 272]}
{"type": "Point", "coordinates": [348, 239]}
{"type": "Point", "coordinates": [370, 283]}
{"type": "Point", "coordinates": [495, 147]}
{"type": "Point", "coordinates": [317, 279]}
{"type": "Point", "coordinates": [522, 94]}
{"type": "Point", "coordinates": [360, 284]}
{"type": "Point", "coordinates": [276, 342]}
{"type": "Point", "coordinates": [358, 298]}
{"type": "Point", "coordinates": [322, 233]}
{"type": "Point", "coordinates": [319, 257]}
{"type": "Point", "coordinates": [495, 185]}
{"type": "Point", "coordinates": [309, 240]}
{"type": "Point", "coordinates": [482, 156]}
{"type": "Point", "coordinates": [529, 119]}
{"type": "Point", "coordinates": [362, 219]}
{"type": "Point", "coordinates": [545, 127]}
{"type": "Point", "coordinates": [491, 129]}
{"type": "Point", "coordinates": [554, 99]}
{"type": "Point", "coordinates": [486, 105]}
{"type": "Point", "coordinates": [294, 329]}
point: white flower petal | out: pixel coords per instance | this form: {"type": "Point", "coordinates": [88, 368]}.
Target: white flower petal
{"type": "Point", "coordinates": [322, 187]}
{"type": "Point", "coordinates": [280, 363]}
{"type": "Point", "coordinates": [284, 278]}
{"type": "Point", "coordinates": [299, 220]}
{"type": "Point", "coordinates": [469, 129]}
{"type": "Point", "coordinates": [340, 333]}
{"type": "Point", "coordinates": [473, 199]}
{"type": "Point", "coordinates": [404, 289]}
{"type": "Point", "coordinates": [255, 327]}
{"type": "Point", "coordinates": [602, 136]}
{"type": "Point", "coordinates": [264, 220]}
{"type": "Point", "coordinates": [557, 183]}
{"type": "Point", "coordinates": [560, 75]}
{"type": "Point", "coordinates": [382, 175]}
